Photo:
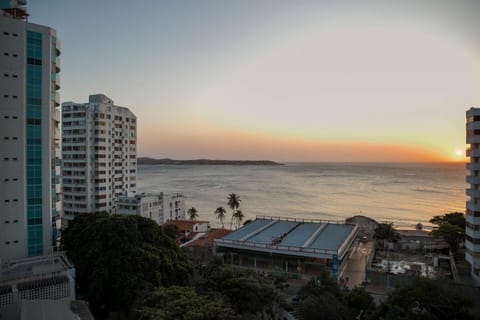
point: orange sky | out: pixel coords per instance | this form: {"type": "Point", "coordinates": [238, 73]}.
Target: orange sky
{"type": "Point", "coordinates": [230, 144]}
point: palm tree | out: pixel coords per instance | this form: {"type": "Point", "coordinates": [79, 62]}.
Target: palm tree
{"type": "Point", "coordinates": [238, 215]}
{"type": "Point", "coordinates": [233, 203]}
{"type": "Point", "coordinates": [220, 212]}
{"type": "Point", "coordinates": [192, 213]}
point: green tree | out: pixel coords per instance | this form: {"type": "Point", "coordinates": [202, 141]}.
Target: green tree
{"type": "Point", "coordinates": [233, 203]}
{"type": "Point", "coordinates": [238, 217]}
{"type": "Point", "coordinates": [182, 303]}
{"type": "Point", "coordinates": [246, 293]}
{"type": "Point", "coordinates": [192, 213]}
{"type": "Point", "coordinates": [451, 227]}
{"type": "Point", "coordinates": [118, 257]}
{"type": "Point", "coordinates": [386, 231]}
{"type": "Point", "coordinates": [323, 298]}
{"type": "Point", "coordinates": [423, 299]}
{"type": "Point", "coordinates": [220, 213]}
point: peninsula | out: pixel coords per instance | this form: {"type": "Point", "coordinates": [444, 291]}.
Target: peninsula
{"type": "Point", "coordinates": [146, 160]}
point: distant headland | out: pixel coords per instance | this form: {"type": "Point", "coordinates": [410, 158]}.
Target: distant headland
{"type": "Point", "coordinates": [146, 160]}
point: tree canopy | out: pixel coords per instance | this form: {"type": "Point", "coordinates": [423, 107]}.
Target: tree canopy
{"type": "Point", "coordinates": [386, 231]}
{"type": "Point", "coordinates": [182, 303]}
{"type": "Point", "coordinates": [451, 227]}
{"type": "Point", "coordinates": [118, 257]}
{"type": "Point", "coordinates": [246, 293]}
{"type": "Point", "coordinates": [323, 298]}
{"type": "Point", "coordinates": [192, 213]}
{"type": "Point", "coordinates": [423, 299]}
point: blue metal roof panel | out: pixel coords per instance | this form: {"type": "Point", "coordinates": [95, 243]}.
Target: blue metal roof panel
{"type": "Point", "coordinates": [332, 236]}
{"type": "Point", "coordinates": [247, 229]}
{"type": "Point", "coordinates": [300, 235]}
{"type": "Point", "coordinates": [274, 231]}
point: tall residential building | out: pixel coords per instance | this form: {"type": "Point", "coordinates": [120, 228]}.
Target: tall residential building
{"type": "Point", "coordinates": [29, 146]}
{"type": "Point", "coordinates": [472, 237]}
{"type": "Point", "coordinates": [99, 155]}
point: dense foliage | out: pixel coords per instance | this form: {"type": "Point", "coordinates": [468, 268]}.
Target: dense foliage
{"type": "Point", "coordinates": [118, 257]}
{"type": "Point", "coordinates": [423, 299]}
{"type": "Point", "coordinates": [451, 227]}
{"type": "Point", "coordinates": [323, 298]}
{"type": "Point", "coordinates": [249, 295]}
{"type": "Point", "coordinates": [130, 266]}
{"type": "Point", "coordinates": [386, 231]}
{"type": "Point", "coordinates": [182, 303]}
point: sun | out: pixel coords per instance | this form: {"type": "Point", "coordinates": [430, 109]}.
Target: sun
{"type": "Point", "coordinates": [459, 152]}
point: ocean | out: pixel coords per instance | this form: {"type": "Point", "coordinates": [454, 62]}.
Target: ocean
{"type": "Point", "coordinates": [402, 193]}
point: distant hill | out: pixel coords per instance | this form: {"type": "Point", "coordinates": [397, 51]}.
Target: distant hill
{"type": "Point", "coordinates": [145, 160]}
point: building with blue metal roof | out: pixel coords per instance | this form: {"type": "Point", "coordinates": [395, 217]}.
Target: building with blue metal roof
{"type": "Point", "coordinates": [296, 247]}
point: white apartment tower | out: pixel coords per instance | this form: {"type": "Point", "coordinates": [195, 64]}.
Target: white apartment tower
{"type": "Point", "coordinates": [472, 232]}
{"type": "Point", "coordinates": [29, 147]}
{"type": "Point", "coordinates": [99, 155]}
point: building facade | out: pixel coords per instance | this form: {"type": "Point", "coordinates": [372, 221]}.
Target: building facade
{"type": "Point", "coordinates": [173, 206]}
{"type": "Point", "coordinates": [145, 205]}
{"type": "Point", "coordinates": [49, 277]}
{"type": "Point", "coordinates": [99, 146]}
{"type": "Point", "coordinates": [298, 248]}
{"type": "Point", "coordinates": [30, 202]}
{"type": "Point", "coordinates": [472, 232]}
{"type": "Point", "coordinates": [159, 208]}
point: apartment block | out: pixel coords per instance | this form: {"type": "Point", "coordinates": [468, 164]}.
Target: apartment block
{"type": "Point", "coordinates": [30, 199]}
{"type": "Point", "coordinates": [472, 230]}
{"type": "Point", "coordinates": [99, 146]}
{"type": "Point", "coordinates": [160, 208]}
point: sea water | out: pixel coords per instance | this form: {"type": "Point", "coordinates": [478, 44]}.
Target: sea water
{"type": "Point", "coordinates": [401, 193]}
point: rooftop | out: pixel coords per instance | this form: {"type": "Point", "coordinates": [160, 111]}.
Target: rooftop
{"type": "Point", "coordinates": [185, 225]}
{"type": "Point", "coordinates": [207, 238]}
{"type": "Point", "coordinates": [303, 237]}
{"type": "Point", "coordinates": [34, 267]}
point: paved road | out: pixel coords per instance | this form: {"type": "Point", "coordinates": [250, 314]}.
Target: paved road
{"type": "Point", "coordinates": [356, 264]}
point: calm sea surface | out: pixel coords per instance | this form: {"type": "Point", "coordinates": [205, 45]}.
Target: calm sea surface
{"type": "Point", "coordinates": [402, 193]}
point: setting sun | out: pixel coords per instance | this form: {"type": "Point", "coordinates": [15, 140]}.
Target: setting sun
{"type": "Point", "coordinates": [459, 152]}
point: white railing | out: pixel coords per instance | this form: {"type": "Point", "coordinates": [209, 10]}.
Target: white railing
{"type": "Point", "coordinates": [310, 220]}
{"type": "Point", "coordinates": [275, 247]}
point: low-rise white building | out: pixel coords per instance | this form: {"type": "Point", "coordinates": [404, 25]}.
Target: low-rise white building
{"type": "Point", "coordinates": [174, 207]}
{"type": "Point", "coordinates": [160, 208]}
{"type": "Point", "coordinates": [49, 277]}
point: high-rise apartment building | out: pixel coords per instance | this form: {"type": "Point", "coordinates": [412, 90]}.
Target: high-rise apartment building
{"type": "Point", "coordinates": [29, 146]}
{"type": "Point", "coordinates": [472, 232]}
{"type": "Point", "coordinates": [99, 155]}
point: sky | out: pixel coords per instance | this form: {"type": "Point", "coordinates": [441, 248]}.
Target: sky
{"type": "Point", "coordinates": [279, 80]}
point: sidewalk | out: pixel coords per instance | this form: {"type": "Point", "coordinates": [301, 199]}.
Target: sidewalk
{"type": "Point", "coordinates": [355, 270]}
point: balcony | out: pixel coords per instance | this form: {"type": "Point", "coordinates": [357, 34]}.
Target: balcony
{"type": "Point", "coordinates": [57, 82]}
{"type": "Point", "coordinates": [473, 179]}
{"type": "Point", "coordinates": [473, 193]}
{"type": "Point", "coordinates": [57, 66]}
{"type": "Point", "coordinates": [473, 166]}
{"type": "Point", "coordinates": [57, 47]}
{"type": "Point", "coordinates": [473, 139]}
